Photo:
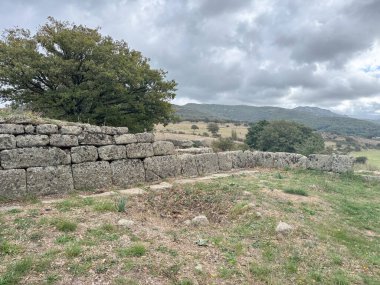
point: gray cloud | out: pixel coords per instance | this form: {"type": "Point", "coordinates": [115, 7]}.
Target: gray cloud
{"type": "Point", "coordinates": [271, 52]}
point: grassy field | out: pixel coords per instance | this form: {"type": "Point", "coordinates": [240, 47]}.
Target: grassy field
{"type": "Point", "coordinates": [373, 156]}
{"type": "Point", "coordinates": [335, 237]}
{"type": "Point", "coordinates": [225, 129]}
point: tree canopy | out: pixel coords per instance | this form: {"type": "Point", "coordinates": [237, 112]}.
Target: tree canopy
{"type": "Point", "coordinates": [284, 136]}
{"type": "Point", "coordinates": [72, 72]}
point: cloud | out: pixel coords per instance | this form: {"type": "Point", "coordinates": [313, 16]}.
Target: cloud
{"type": "Point", "coordinates": [267, 52]}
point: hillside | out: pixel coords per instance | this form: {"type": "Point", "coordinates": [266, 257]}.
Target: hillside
{"type": "Point", "coordinates": [316, 118]}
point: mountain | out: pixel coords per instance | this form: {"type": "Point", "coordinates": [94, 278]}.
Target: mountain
{"type": "Point", "coordinates": [316, 118]}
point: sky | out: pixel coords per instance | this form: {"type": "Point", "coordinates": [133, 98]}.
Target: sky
{"type": "Point", "coordinates": [284, 53]}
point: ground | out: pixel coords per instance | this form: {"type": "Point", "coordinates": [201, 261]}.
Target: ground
{"type": "Point", "coordinates": [373, 156]}
{"type": "Point", "coordinates": [77, 240]}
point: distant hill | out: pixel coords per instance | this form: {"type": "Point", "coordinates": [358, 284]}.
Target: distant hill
{"type": "Point", "coordinates": [316, 118]}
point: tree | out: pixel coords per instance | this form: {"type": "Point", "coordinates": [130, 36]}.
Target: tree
{"type": "Point", "coordinates": [284, 136]}
{"type": "Point", "coordinates": [194, 127]}
{"type": "Point", "coordinates": [213, 128]}
{"type": "Point", "coordinates": [72, 72]}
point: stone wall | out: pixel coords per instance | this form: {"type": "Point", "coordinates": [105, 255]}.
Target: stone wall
{"type": "Point", "coordinates": [47, 159]}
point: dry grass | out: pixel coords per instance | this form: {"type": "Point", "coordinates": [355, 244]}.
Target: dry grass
{"type": "Point", "coordinates": [335, 238]}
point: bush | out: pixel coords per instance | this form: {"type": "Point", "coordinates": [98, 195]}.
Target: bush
{"type": "Point", "coordinates": [223, 144]}
{"type": "Point", "coordinates": [213, 128]}
{"type": "Point", "coordinates": [205, 134]}
{"type": "Point", "coordinates": [234, 135]}
{"type": "Point", "coordinates": [361, 160]}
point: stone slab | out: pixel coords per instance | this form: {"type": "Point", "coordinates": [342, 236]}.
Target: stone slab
{"type": "Point", "coordinates": [161, 167]}
{"type": "Point", "coordinates": [207, 163]}
{"type": "Point", "coordinates": [86, 153]}
{"type": "Point", "coordinates": [63, 140]}
{"type": "Point", "coordinates": [112, 152]}
{"type": "Point", "coordinates": [163, 148]}
{"type": "Point", "coordinates": [32, 140]}
{"type": "Point", "coordinates": [127, 172]}
{"type": "Point", "coordinates": [188, 165]}
{"type": "Point", "coordinates": [92, 175]}
{"type": "Point", "coordinates": [139, 150]}
{"type": "Point", "coordinates": [7, 141]}
{"type": "Point", "coordinates": [12, 183]}
{"type": "Point", "coordinates": [12, 129]}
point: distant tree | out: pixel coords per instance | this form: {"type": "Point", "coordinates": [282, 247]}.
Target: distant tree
{"type": "Point", "coordinates": [213, 128]}
{"type": "Point", "coordinates": [223, 144]}
{"type": "Point", "coordinates": [284, 136]}
{"type": "Point", "coordinates": [194, 127]}
{"type": "Point", "coordinates": [72, 72]}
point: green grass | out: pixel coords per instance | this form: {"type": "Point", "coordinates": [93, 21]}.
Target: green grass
{"type": "Point", "coordinates": [373, 156]}
{"type": "Point", "coordinates": [136, 250]}
{"type": "Point", "coordinates": [64, 224]}
{"type": "Point", "coordinates": [293, 191]}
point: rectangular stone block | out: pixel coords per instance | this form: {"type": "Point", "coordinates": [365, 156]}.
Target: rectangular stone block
{"type": "Point", "coordinates": [11, 129]}
{"type": "Point", "coordinates": [7, 141]}
{"type": "Point", "coordinates": [49, 180]}
{"type": "Point", "coordinates": [125, 139]}
{"type": "Point", "coordinates": [70, 130]}
{"type": "Point", "coordinates": [112, 152]}
{"type": "Point", "coordinates": [342, 163]}
{"type": "Point", "coordinates": [47, 129]}
{"type": "Point", "coordinates": [239, 159]}
{"type": "Point", "coordinates": [122, 130]}
{"type": "Point", "coordinates": [86, 153]}
{"type": "Point", "coordinates": [30, 157]}
{"type": "Point", "coordinates": [160, 167]}
{"type": "Point", "coordinates": [163, 148]}
{"type": "Point", "coordinates": [127, 172]}
{"type": "Point", "coordinates": [30, 129]}
{"type": "Point", "coordinates": [139, 150]}
{"type": "Point", "coordinates": [289, 160]}
{"type": "Point", "coordinates": [63, 140]}
{"type": "Point", "coordinates": [32, 140]}
{"type": "Point", "coordinates": [320, 162]}
{"type": "Point", "coordinates": [95, 139]}
{"type": "Point", "coordinates": [145, 137]}
{"type": "Point", "coordinates": [12, 183]}
{"type": "Point", "coordinates": [250, 159]}
{"type": "Point", "coordinates": [207, 163]}
{"type": "Point", "coordinates": [225, 161]}
{"type": "Point", "coordinates": [92, 175]}
{"type": "Point", "coordinates": [188, 165]}
{"type": "Point", "coordinates": [109, 130]}
{"type": "Point", "coordinates": [265, 159]}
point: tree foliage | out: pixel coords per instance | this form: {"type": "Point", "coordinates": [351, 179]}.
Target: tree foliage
{"type": "Point", "coordinates": [284, 136]}
{"type": "Point", "coordinates": [213, 128]}
{"type": "Point", "coordinates": [72, 72]}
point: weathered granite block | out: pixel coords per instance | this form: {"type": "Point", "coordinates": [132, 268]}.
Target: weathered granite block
{"type": "Point", "coordinates": [265, 159]}
{"type": "Point", "coordinates": [320, 162]}
{"type": "Point", "coordinates": [11, 129]}
{"type": "Point", "coordinates": [163, 148]}
{"type": "Point", "coordinates": [194, 150]}
{"type": "Point", "coordinates": [188, 165]}
{"type": "Point", "coordinates": [239, 159]}
{"type": "Point", "coordinates": [139, 150]}
{"type": "Point", "coordinates": [47, 129]}
{"type": "Point", "coordinates": [70, 130]}
{"type": "Point", "coordinates": [109, 130]}
{"type": "Point", "coordinates": [207, 163]}
{"type": "Point", "coordinates": [32, 140]}
{"type": "Point", "coordinates": [49, 180]}
{"type": "Point", "coordinates": [342, 163]}
{"type": "Point", "coordinates": [225, 161]}
{"type": "Point", "coordinates": [86, 153]}
{"type": "Point", "coordinates": [112, 152]}
{"type": "Point", "coordinates": [95, 139]}
{"type": "Point", "coordinates": [30, 129]}
{"type": "Point", "coordinates": [127, 172]}
{"type": "Point", "coordinates": [63, 140]}
{"type": "Point", "coordinates": [125, 139]}
{"type": "Point", "coordinates": [92, 175]}
{"type": "Point", "coordinates": [182, 143]}
{"type": "Point", "coordinates": [92, 129]}
{"type": "Point", "coordinates": [12, 183]}
{"type": "Point", "coordinates": [7, 141]}
{"type": "Point", "coordinates": [160, 167]}
{"type": "Point", "coordinates": [145, 137]}
{"type": "Point", "coordinates": [29, 157]}
{"type": "Point", "coordinates": [122, 130]}
{"type": "Point", "coordinates": [250, 158]}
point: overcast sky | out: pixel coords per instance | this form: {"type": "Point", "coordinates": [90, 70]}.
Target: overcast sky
{"type": "Point", "coordinates": [261, 52]}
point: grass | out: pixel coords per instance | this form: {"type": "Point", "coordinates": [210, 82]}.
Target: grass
{"type": "Point", "coordinates": [335, 237]}
{"type": "Point", "coordinates": [373, 156]}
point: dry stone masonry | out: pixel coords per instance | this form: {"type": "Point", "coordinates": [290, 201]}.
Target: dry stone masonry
{"type": "Point", "coordinates": [48, 159]}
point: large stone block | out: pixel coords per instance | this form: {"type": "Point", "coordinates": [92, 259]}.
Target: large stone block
{"type": "Point", "coordinates": [122, 130]}
{"type": "Point", "coordinates": [7, 141]}
{"type": "Point", "coordinates": [160, 167]}
{"type": "Point", "coordinates": [125, 139]}
{"type": "Point", "coordinates": [47, 129]}
{"type": "Point", "coordinates": [86, 153]}
{"type": "Point", "coordinates": [239, 159]}
{"type": "Point", "coordinates": [32, 140]}
{"type": "Point", "coordinates": [250, 158]}
{"type": "Point", "coordinates": [265, 159]}
{"type": "Point", "coordinates": [12, 183]}
{"type": "Point", "coordinates": [30, 157]}
{"type": "Point", "coordinates": [109, 130]}
{"type": "Point", "coordinates": [342, 163]}
{"type": "Point", "coordinates": [207, 163]}
{"type": "Point", "coordinates": [163, 148]}
{"type": "Point", "coordinates": [92, 175]}
{"type": "Point", "coordinates": [49, 180]}
{"type": "Point", "coordinates": [182, 143]}
{"type": "Point", "coordinates": [112, 152]}
{"type": "Point", "coordinates": [320, 162]}
{"type": "Point", "coordinates": [188, 165]}
{"type": "Point", "coordinates": [63, 140]}
{"type": "Point", "coordinates": [145, 137]}
{"type": "Point", "coordinates": [70, 130]}
{"type": "Point", "coordinates": [225, 161]}
{"type": "Point", "coordinates": [11, 129]}
{"type": "Point", "coordinates": [30, 129]}
{"type": "Point", "coordinates": [195, 150]}
{"type": "Point", "coordinates": [127, 172]}
{"type": "Point", "coordinates": [139, 150]}
{"type": "Point", "coordinates": [95, 139]}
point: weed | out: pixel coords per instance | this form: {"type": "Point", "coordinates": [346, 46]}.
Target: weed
{"type": "Point", "coordinates": [292, 191]}
{"type": "Point", "coordinates": [104, 206]}
{"type": "Point", "coordinates": [260, 271]}
{"type": "Point", "coordinates": [16, 271]}
{"type": "Point", "coordinates": [73, 250]}
{"type": "Point", "coordinates": [136, 250]}
{"type": "Point", "coordinates": [7, 248]}
{"type": "Point", "coordinates": [121, 204]}
{"type": "Point", "coordinates": [64, 225]}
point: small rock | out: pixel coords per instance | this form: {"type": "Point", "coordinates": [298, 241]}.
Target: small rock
{"type": "Point", "coordinates": [259, 215]}
{"type": "Point", "coordinates": [283, 228]}
{"type": "Point", "coordinates": [200, 220]}
{"type": "Point", "coordinates": [199, 268]}
{"type": "Point", "coordinates": [187, 222]}
{"type": "Point", "coordinates": [202, 242]}
{"type": "Point", "coordinates": [247, 193]}
{"type": "Point", "coordinates": [125, 223]}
